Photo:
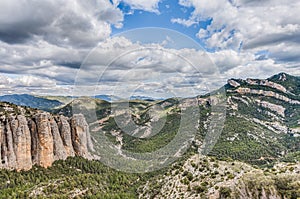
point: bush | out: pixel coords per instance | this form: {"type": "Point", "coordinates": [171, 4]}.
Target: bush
{"type": "Point", "coordinates": [200, 189]}
{"type": "Point", "coordinates": [225, 192]}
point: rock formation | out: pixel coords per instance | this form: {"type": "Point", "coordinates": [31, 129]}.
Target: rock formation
{"type": "Point", "coordinates": [42, 139]}
{"type": "Point", "coordinates": [242, 91]}
{"type": "Point", "coordinates": [81, 138]}
{"type": "Point", "coordinates": [267, 83]}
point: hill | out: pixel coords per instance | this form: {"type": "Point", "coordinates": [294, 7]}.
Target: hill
{"type": "Point", "coordinates": [31, 101]}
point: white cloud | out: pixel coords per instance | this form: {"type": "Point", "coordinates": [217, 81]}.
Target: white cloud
{"type": "Point", "coordinates": [146, 5]}
{"type": "Point", "coordinates": [63, 23]}
{"type": "Point", "coordinates": [255, 24]}
{"type": "Point", "coordinates": [184, 22]}
{"type": "Point", "coordinates": [33, 81]}
{"type": "Point", "coordinates": [162, 71]}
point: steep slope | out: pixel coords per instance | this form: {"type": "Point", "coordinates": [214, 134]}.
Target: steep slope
{"type": "Point", "coordinates": [263, 119]}
{"type": "Point", "coordinates": [261, 128]}
{"type": "Point", "coordinates": [206, 177]}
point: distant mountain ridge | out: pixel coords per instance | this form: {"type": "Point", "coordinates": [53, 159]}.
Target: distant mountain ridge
{"type": "Point", "coordinates": [31, 101]}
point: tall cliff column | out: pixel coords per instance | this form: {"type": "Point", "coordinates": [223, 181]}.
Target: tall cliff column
{"type": "Point", "coordinates": [58, 147]}
{"type": "Point", "coordinates": [79, 130]}
{"type": "Point", "coordinates": [3, 151]}
{"type": "Point", "coordinates": [34, 141]}
{"type": "Point", "coordinates": [66, 135]}
{"type": "Point", "coordinates": [21, 142]}
{"type": "Point", "coordinates": [10, 153]}
{"type": "Point", "coordinates": [45, 140]}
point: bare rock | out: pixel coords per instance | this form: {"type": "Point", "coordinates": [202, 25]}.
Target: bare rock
{"type": "Point", "coordinates": [34, 141]}
{"type": "Point", "coordinates": [59, 151]}
{"type": "Point", "coordinates": [267, 94]}
{"type": "Point", "coordinates": [266, 83]}
{"type": "Point", "coordinates": [9, 155]}
{"type": "Point", "coordinates": [1, 143]}
{"type": "Point", "coordinates": [273, 107]}
{"type": "Point", "coordinates": [45, 140]}
{"type": "Point", "coordinates": [80, 136]}
{"type": "Point", "coordinates": [41, 139]}
{"type": "Point", "coordinates": [233, 83]}
{"type": "Point", "coordinates": [21, 142]}
{"type": "Point", "coordinates": [65, 133]}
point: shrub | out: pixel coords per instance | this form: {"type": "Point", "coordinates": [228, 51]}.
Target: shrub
{"type": "Point", "coordinates": [225, 192]}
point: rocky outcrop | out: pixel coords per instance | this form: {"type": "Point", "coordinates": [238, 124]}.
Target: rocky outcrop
{"type": "Point", "coordinates": [81, 139]}
{"type": "Point", "coordinates": [233, 83]}
{"type": "Point", "coordinates": [273, 107]}
{"type": "Point", "coordinates": [21, 142]}
{"type": "Point", "coordinates": [42, 139]}
{"type": "Point", "coordinates": [266, 83]}
{"type": "Point", "coordinates": [59, 151]}
{"type": "Point", "coordinates": [65, 133]}
{"type": "Point", "coordinates": [45, 140]}
{"type": "Point", "coordinates": [242, 91]}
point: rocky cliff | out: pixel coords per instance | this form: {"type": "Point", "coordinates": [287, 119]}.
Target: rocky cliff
{"type": "Point", "coordinates": [41, 138]}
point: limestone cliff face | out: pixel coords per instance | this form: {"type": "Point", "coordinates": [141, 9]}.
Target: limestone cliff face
{"type": "Point", "coordinates": [266, 83]}
{"type": "Point", "coordinates": [266, 94]}
{"type": "Point", "coordinates": [65, 133]}
{"type": "Point", "coordinates": [21, 142]}
{"type": "Point", "coordinates": [42, 139]}
{"type": "Point", "coordinates": [79, 128]}
{"type": "Point", "coordinates": [45, 140]}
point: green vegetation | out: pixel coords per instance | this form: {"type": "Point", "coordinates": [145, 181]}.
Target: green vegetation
{"type": "Point", "coordinates": [155, 142]}
{"type": "Point", "coordinates": [75, 176]}
{"type": "Point", "coordinates": [235, 143]}
{"type": "Point", "coordinates": [225, 192]}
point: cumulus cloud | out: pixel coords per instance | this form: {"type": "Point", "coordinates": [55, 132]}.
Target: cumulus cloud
{"type": "Point", "coordinates": [120, 66]}
{"type": "Point", "coordinates": [252, 25]}
{"type": "Point", "coordinates": [185, 22]}
{"type": "Point", "coordinates": [63, 23]}
{"type": "Point", "coordinates": [182, 71]}
{"type": "Point", "coordinates": [21, 83]}
{"type": "Point", "coordinates": [146, 5]}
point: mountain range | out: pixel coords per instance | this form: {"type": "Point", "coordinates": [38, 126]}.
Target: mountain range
{"type": "Point", "coordinates": [255, 155]}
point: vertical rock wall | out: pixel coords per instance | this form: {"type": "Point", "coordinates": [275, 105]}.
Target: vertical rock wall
{"type": "Point", "coordinates": [41, 140]}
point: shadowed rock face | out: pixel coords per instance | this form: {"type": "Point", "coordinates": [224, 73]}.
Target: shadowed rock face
{"type": "Point", "coordinates": [41, 140]}
{"type": "Point", "coordinates": [65, 133]}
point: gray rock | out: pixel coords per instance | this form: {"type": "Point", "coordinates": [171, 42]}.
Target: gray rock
{"type": "Point", "coordinates": [21, 142]}
{"type": "Point", "coordinates": [41, 139]}
{"type": "Point", "coordinates": [59, 151]}
{"type": "Point", "coordinates": [79, 131]}
{"type": "Point", "coordinates": [65, 133]}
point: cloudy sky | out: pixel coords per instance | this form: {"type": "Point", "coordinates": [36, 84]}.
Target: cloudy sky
{"type": "Point", "coordinates": [75, 47]}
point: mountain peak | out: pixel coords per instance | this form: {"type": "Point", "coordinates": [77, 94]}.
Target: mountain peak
{"type": "Point", "coordinates": [280, 77]}
{"type": "Point", "coordinates": [291, 83]}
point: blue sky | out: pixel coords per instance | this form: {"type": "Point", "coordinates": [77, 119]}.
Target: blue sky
{"type": "Point", "coordinates": [69, 44]}
{"type": "Point", "coordinates": [167, 10]}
